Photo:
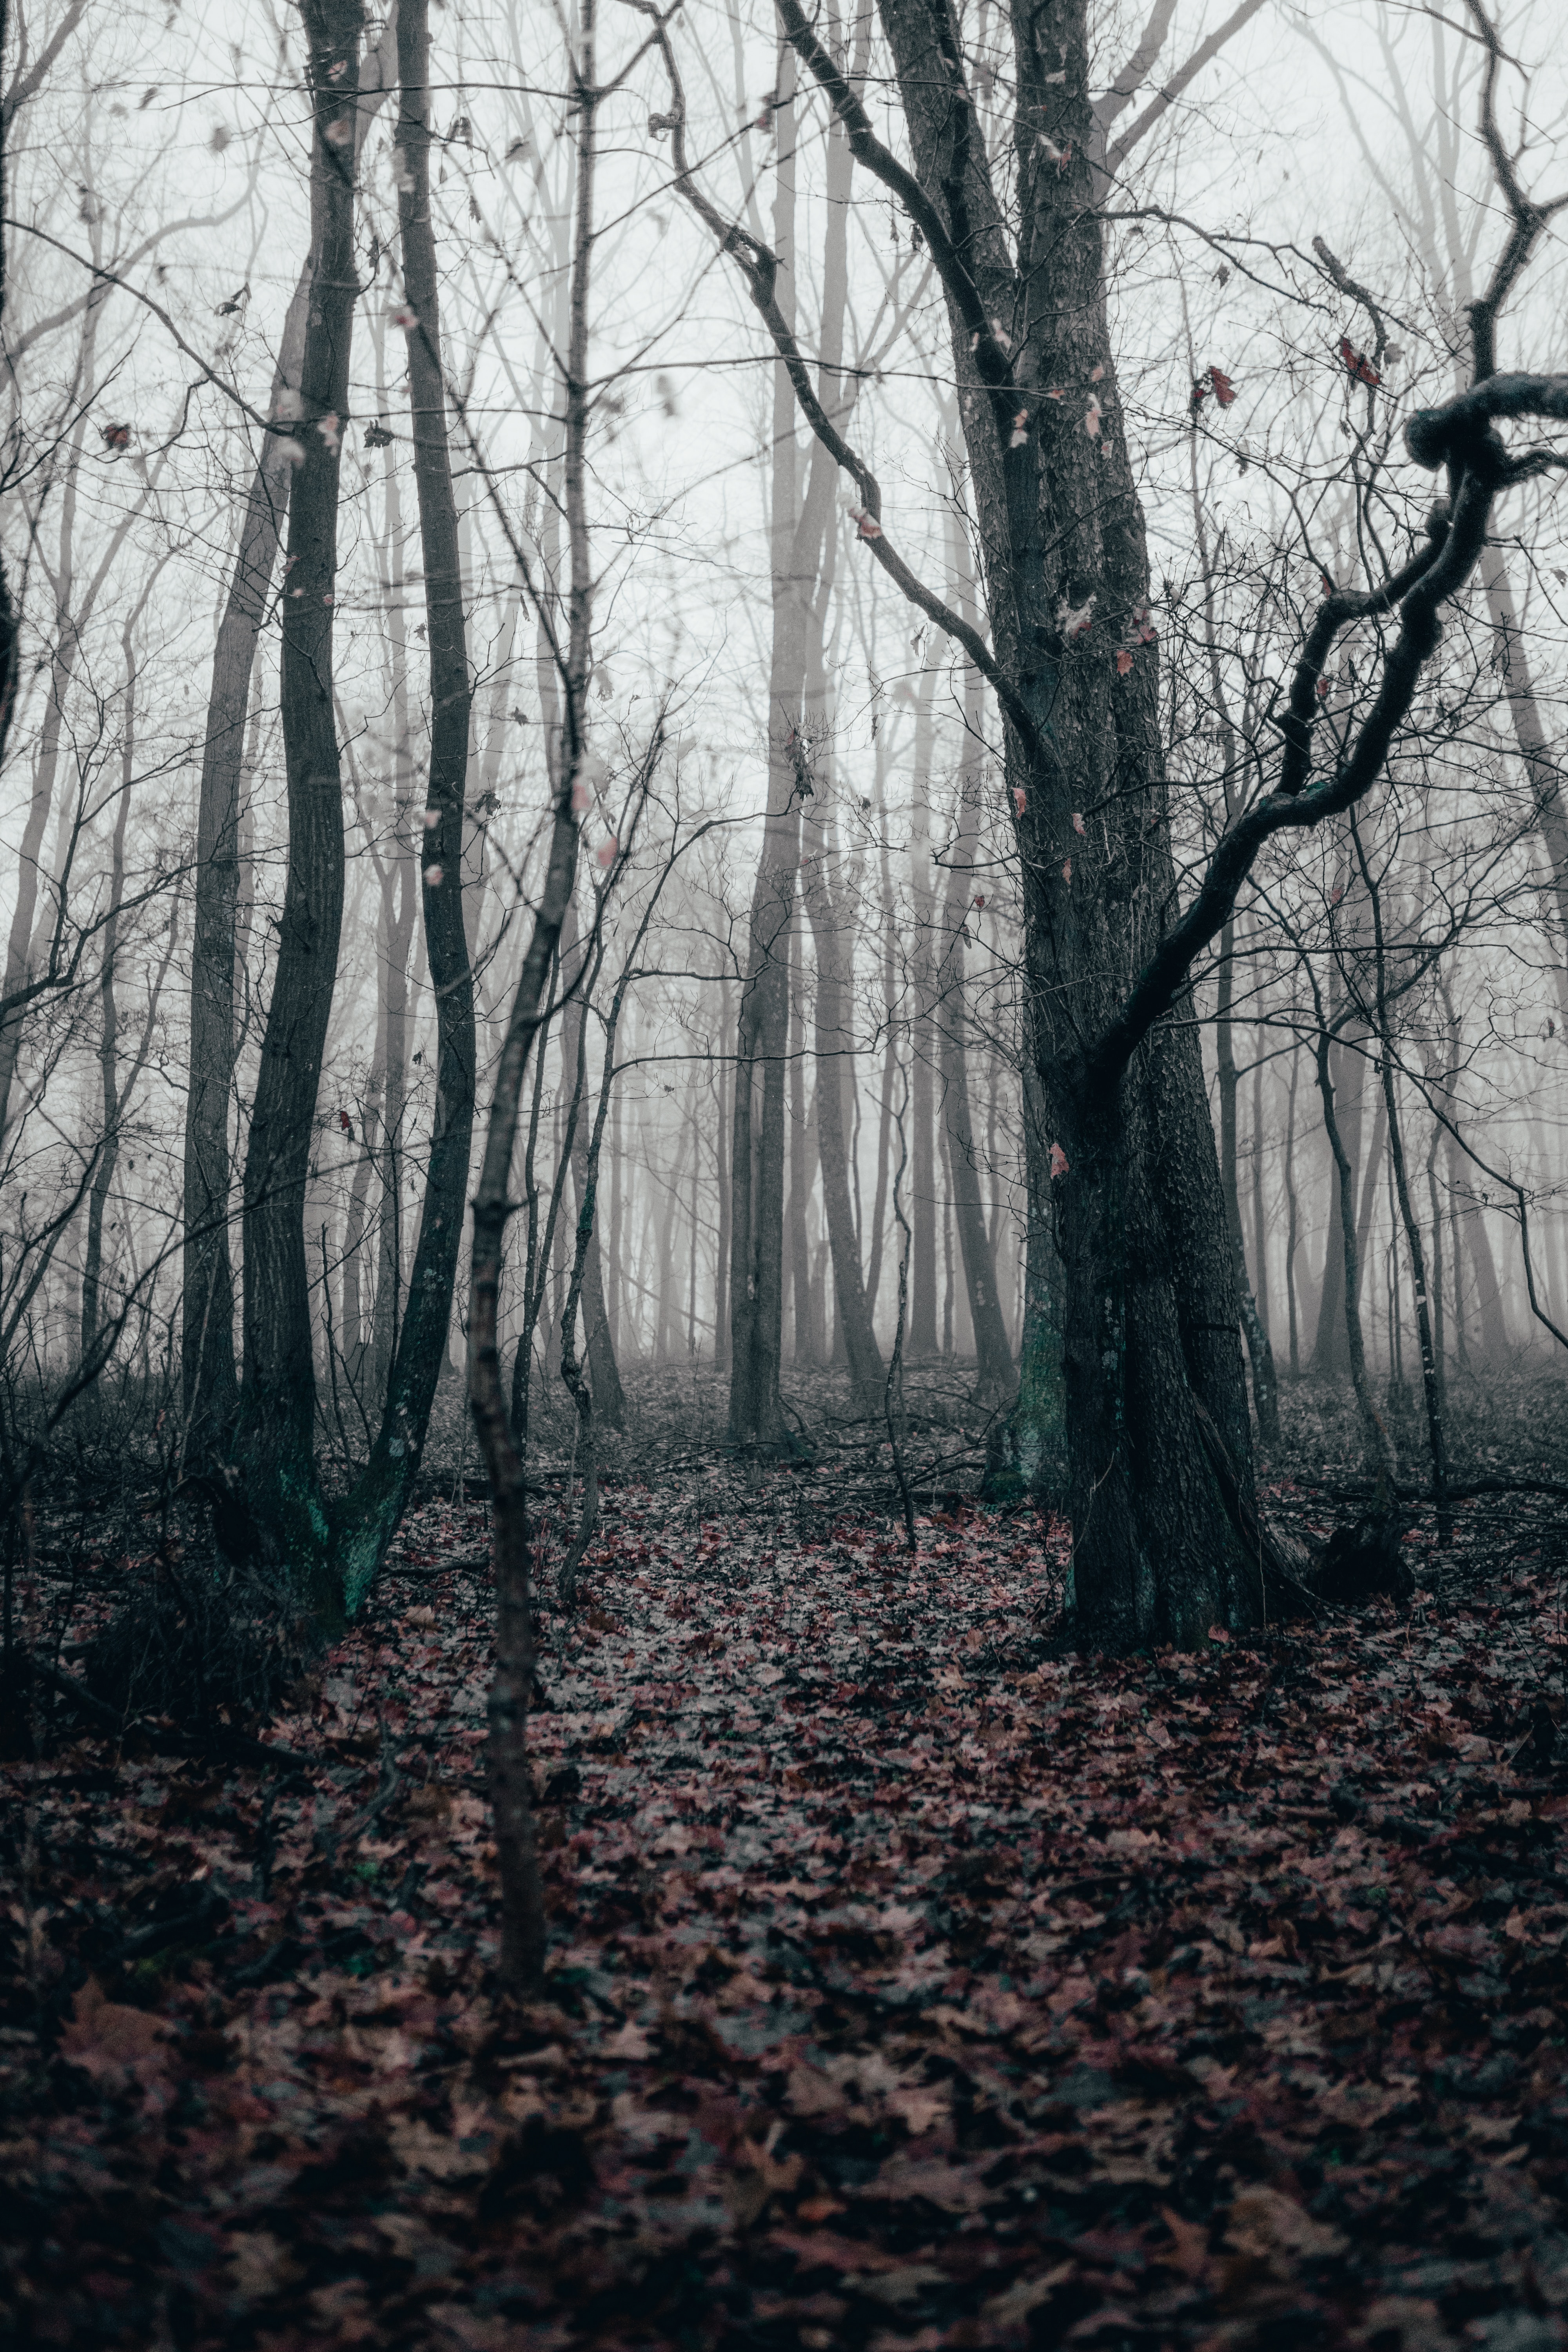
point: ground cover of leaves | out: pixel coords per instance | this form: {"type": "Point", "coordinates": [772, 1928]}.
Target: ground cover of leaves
{"type": "Point", "coordinates": [911, 1985]}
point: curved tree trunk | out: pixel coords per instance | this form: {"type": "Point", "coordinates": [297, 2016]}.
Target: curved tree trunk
{"type": "Point", "coordinates": [211, 1378]}
{"type": "Point", "coordinates": [334, 1553]}
{"type": "Point", "coordinates": [275, 1446]}
{"type": "Point", "coordinates": [363, 1524]}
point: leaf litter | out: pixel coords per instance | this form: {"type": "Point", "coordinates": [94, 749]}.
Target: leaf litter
{"type": "Point", "coordinates": [912, 1984]}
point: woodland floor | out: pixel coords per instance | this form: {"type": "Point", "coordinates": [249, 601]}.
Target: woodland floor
{"type": "Point", "coordinates": [911, 1985]}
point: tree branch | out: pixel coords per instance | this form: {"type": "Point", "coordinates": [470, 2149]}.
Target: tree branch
{"type": "Point", "coordinates": [1179, 81]}
{"type": "Point", "coordinates": [991, 361]}
{"type": "Point", "coordinates": [759, 267]}
{"type": "Point", "coordinates": [1123, 89]}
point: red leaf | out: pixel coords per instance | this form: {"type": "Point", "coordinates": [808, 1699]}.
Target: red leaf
{"type": "Point", "coordinates": [1123, 661]}
{"type": "Point", "coordinates": [1224, 390]}
{"type": "Point", "coordinates": [1359, 365]}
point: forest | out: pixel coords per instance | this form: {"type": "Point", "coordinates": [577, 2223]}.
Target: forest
{"type": "Point", "coordinates": [783, 1218]}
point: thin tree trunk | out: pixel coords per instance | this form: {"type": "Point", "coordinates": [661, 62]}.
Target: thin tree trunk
{"type": "Point", "coordinates": [1431, 1375]}
{"type": "Point", "coordinates": [797, 1248]}
{"type": "Point", "coordinates": [1541, 768]}
{"type": "Point", "coordinates": [618, 1226]}
{"type": "Point", "coordinates": [757, 1157]}
{"type": "Point", "coordinates": [1265, 1394]}
{"type": "Point", "coordinates": [994, 1357]}
{"type": "Point", "coordinates": [366, 1523]}
{"type": "Point", "coordinates": [399, 887]}
{"type": "Point", "coordinates": [829, 925]}
{"type": "Point", "coordinates": [885, 1111]}
{"type": "Point", "coordinates": [1259, 1225]}
{"type": "Point", "coordinates": [721, 1176]}
{"type": "Point", "coordinates": [1380, 1449]}
{"type": "Point", "coordinates": [511, 1790]}
{"type": "Point", "coordinates": [1293, 1217]}
{"type": "Point", "coordinates": [109, 1010]}
{"type": "Point", "coordinates": [609, 1398]}
{"type": "Point", "coordinates": [922, 1337]}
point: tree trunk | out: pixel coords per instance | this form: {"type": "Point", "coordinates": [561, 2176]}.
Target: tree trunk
{"type": "Point", "coordinates": [275, 1447]}
{"type": "Point", "coordinates": [922, 1338]}
{"type": "Point", "coordinates": [721, 1177]}
{"type": "Point", "coordinates": [1264, 1395]}
{"type": "Point", "coordinates": [1153, 1366]}
{"type": "Point", "coordinates": [1030, 1453]}
{"type": "Point", "coordinates": [994, 1357]}
{"type": "Point", "coordinates": [797, 1248]}
{"type": "Point", "coordinates": [211, 1379]}
{"type": "Point", "coordinates": [757, 1157]}
{"type": "Point", "coordinates": [334, 1553]}
{"type": "Point", "coordinates": [829, 923]}
{"type": "Point", "coordinates": [364, 1523]}
{"type": "Point", "coordinates": [609, 1404]}
{"type": "Point", "coordinates": [1292, 1217]}
{"type": "Point", "coordinates": [108, 1009]}
{"type": "Point", "coordinates": [1381, 1460]}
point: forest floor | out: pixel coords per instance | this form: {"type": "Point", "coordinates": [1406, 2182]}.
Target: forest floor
{"type": "Point", "coordinates": [911, 1985]}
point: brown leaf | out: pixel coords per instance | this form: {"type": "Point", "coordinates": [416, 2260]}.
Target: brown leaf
{"type": "Point", "coordinates": [103, 2036]}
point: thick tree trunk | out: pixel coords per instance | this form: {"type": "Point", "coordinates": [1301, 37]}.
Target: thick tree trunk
{"type": "Point", "coordinates": [1155, 1395]}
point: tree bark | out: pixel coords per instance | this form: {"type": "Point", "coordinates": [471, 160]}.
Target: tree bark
{"type": "Point", "coordinates": [1431, 1377]}
{"type": "Point", "coordinates": [210, 1375]}
{"type": "Point", "coordinates": [922, 1336]}
{"type": "Point", "coordinates": [1150, 1308]}
{"type": "Point", "coordinates": [1380, 1462]}
{"type": "Point", "coordinates": [798, 1246]}
{"type": "Point", "coordinates": [1265, 1394]}
{"type": "Point", "coordinates": [1292, 1217]}
{"type": "Point", "coordinates": [114, 1096]}
{"type": "Point", "coordinates": [994, 1357]}
{"type": "Point", "coordinates": [609, 1406]}
{"type": "Point", "coordinates": [365, 1522]}
{"type": "Point", "coordinates": [274, 1445]}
